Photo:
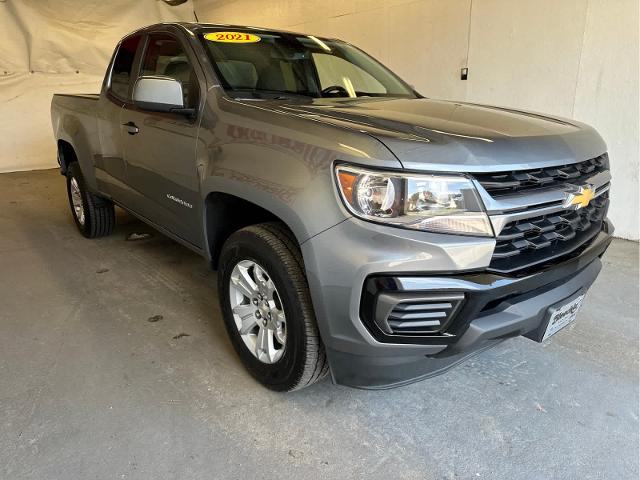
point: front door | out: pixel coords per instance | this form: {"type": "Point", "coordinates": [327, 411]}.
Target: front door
{"type": "Point", "coordinates": [159, 148]}
{"type": "Point", "coordinates": [109, 164]}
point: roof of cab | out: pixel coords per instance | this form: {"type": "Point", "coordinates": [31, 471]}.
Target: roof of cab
{"type": "Point", "coordinates": [196, 26]}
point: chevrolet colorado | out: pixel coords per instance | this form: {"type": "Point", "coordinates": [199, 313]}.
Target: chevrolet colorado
{"type": "Point", "coordinates": [357, 227]}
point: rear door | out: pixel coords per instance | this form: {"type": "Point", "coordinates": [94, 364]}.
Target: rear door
{"type": "Point", "coordinates": [160, 148]}
{"type": "Point", "coordinates": [109, 163]}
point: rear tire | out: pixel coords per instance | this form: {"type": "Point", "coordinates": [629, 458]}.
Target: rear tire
{"type": "Point", "coordinates": [94, 215]}
{"type": "Point", "coordinates": [267, 254]}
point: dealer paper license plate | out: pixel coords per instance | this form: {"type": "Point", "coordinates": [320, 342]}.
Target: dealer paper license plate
{"type": "Point", "coordinates": [563, 316]}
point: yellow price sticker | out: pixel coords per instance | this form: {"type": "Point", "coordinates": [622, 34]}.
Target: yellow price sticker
{"type": "Point", "coordinates": [232, 37]}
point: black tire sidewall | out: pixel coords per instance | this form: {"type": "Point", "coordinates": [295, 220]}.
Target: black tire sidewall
{"type": "Point", "coordinates": [285, 373]}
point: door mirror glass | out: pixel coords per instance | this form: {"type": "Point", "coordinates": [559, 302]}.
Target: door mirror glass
{"type": "Point", "coordinates": [158, 94]}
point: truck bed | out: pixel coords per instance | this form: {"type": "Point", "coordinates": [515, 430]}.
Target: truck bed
{"type": "Point", "coordinates": [89, 96]}
{"type": "Point", "coordinates": [76, 114]}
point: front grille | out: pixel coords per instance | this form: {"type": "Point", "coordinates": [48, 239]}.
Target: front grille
{"type": "Point", "coordinates": [532, 241]}
{"type": "Point", "coordinates": [505, 183]}
{"type": "Point", "coordinates": [428, 314]}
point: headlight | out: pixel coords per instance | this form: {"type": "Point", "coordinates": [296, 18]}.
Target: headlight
{"type": "Point", "coordinates": [434, 203]}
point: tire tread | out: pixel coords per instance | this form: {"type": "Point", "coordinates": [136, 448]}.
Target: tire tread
{"type": "Point", "coordinates": [317, 366]}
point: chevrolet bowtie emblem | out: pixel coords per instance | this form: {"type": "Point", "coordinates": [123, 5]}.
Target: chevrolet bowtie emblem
{"type": "Point", "coordinates": [581, 198]}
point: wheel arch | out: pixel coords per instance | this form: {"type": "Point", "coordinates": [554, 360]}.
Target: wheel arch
{"type": "Point", "coordinates": [76, 141]}
{"type": "Point", "coordinates": [66, 155]}
{"type": "Point", "coordinates": [226, 213]}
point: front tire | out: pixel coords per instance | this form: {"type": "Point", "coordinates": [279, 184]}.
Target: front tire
{"type": "Point", "coordinates": [94, 216]}
{"type": "Point", "coordinates": [267, 308]}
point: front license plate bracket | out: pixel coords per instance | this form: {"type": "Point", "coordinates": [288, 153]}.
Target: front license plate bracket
{"type": "Point", "coordinates": [558, 317]}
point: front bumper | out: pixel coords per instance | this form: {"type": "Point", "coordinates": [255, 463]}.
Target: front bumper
{"type": "Point", "coordinates": [496, 307]}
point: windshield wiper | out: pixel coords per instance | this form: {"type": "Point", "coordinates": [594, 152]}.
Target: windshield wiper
{"type": "Point", "coordinates": [382, 95]}
{"type": "Point", "coordinates": [265, 94]}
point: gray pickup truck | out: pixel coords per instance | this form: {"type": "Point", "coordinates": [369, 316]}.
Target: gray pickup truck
{"type": "Point", "coordinates": [357, 227]}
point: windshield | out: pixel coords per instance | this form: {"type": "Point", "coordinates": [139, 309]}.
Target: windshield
{"type": "Point", "coordinates": [273, 65]}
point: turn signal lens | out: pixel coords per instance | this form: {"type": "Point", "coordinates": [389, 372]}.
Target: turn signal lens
{"type": "Point", "coordinates": [346, 180]}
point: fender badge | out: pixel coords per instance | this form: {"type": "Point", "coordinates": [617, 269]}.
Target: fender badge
{"type": "Point", "coordinates": [179, 201]}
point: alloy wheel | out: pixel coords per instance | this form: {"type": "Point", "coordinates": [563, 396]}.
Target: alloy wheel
{"type": "Point", "coordinates": [76, 199]}
{"type": "Point", "coordinates": [258, 311]}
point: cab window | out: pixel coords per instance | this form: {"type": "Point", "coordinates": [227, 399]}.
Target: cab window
{"type": "Point", "coordinates": [164, 56]}
{"type": "Point", "coordinates": [123, 67]}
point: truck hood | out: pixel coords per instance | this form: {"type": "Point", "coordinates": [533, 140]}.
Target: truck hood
{"type": "Point", "coordinates": [427, 134]}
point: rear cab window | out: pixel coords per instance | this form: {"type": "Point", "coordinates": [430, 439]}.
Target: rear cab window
{"type": "Point", "coordinates": [164, 56]}
{"type": "Point", "coordinates": [122, 68]}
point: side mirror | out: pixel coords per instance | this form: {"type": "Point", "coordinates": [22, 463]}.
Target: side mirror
{"type": "Point", "coordinates": [160, 94]}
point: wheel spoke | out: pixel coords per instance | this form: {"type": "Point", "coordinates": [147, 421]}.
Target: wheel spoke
{"type": "Point", "coordinates": [247, 317]}
{"type": "Point", "coordinates": [244, 283]}
{"type": "Point", "coordinates": [271, 289]}
{"type": "Point", "coordinates": [262, 342]}
{"type": "Point", "coordinates": [279, 324]}
{"type": "Point", "coordinates": [248, 323]}
{"type": "Point", "coordinates": [270, 350]}
{"type": "Point", "coordinates": [259, 275]}
{"type": "Point", "coordinates": [244, 310]}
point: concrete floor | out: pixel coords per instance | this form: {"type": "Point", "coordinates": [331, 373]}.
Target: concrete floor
{"type": "Point", "coordinates": [90, 389]}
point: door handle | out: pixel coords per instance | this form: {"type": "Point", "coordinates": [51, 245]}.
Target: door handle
{"type": "Point", "coordinates": [132, 128]}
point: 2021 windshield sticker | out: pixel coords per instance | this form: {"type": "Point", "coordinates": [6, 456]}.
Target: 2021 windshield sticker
{"type": "Point", "coordinates": [232, 37]}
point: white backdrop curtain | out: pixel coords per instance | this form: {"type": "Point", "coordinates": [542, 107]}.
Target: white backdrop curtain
{"type": "Point", "coordinates": [59, 46]}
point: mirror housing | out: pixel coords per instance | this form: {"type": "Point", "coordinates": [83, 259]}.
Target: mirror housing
{"type": "Point", "coordinates": [159, 94]}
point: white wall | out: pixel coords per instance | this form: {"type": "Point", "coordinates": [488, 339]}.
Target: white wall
{"type": "Point", "coordinates": [574, 58]}
{"type": "Point", "coordinates": [607, 97]}
{"type": "Point", "coordinates": [58, 46]}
